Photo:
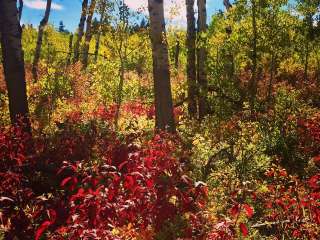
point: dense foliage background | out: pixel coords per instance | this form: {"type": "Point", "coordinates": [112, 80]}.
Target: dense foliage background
{"type": "Point", "coordinates": [95, 167]}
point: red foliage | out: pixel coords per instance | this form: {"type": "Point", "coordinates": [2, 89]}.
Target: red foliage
{"type": "Point", "coordinates": [141, 186]}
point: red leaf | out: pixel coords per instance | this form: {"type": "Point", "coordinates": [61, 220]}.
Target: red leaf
{"type": "Point", "coordinates": [243, 229]}
{"type": "Point", "coordinates": [234, 211]}
{"type": "Point", "coordinates": [65, 181]}
{"type": "Point", "coordinates": [41, 229]}
{"type": "Point", "coordinates": [129, 182]}
{"type": "Point", "coordinates": [249, 210]}
{"type": "Point", "coordinates": [316, 159]}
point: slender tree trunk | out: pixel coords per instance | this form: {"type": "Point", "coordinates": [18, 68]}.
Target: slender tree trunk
{"type": "Point", "coordinates": [20, 9]}
{"type": "Point", "coordinates": [42, 26]}
{"type": "Point", "coordinates": [306, 62]}
{"type": "Point", "coordinates": [161, 73]}
{"type": "Point", "coordinates": [80, 30]}
{"type": "Point", "coordinates": [202, 59]}
{"type": "Point", "coordinates": [272, 73]}
{"type": "Point", "coordinates": [70, 49]}
{"type": "Point", "coordinates": [318, 71]}
{"type": "Point", "coordinates": [191, 59]}
{"type": "Point", "coordinates": [119, 95]}
{"type": "Point", "coordinates": [253, 80]}
{"type": "Point", "coordinates": [96, 52]}
{"type": "Point", "coordinates": [13, 63]}
{"type": "Point", "coordinates": [177, 54]}
{"type": "Point", "coordinates": [227, 4]}
{"type": "Point", "coordinates": [88, 35]}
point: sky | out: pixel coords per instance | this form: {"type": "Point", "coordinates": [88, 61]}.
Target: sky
{"type": "Point", "coordinates": [69, 11]}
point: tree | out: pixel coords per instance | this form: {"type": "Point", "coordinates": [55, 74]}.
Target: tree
{"type": "Point", "coordinates": [61, 28]}
{"type": "Point", "coordinates": [20, 9]}
{"type": "Point", "coordinates": [202, 59]}
{"type": "Point", "coordinates": [102, 10]}
{"type": "Point", "coordinates": [254, 57]}
{"type": "Point", "coordinates": [80, 29]}
{"type": "Point", "coordinates": [191, 59]}
{"type": "Point", "coordinates": [70, 49]}
{"type": "Point", "coordinates": [88, 35]}
{"type": "Point", "coordinates": [42, 26]}
{"type": "Point", "coordinates": [13, 63]}
{"type": "Point", "coordinates": [161, 73]}
{"type": "Point", "coordinates": [177, 53]}
{"type": "Point", "coordinates": [308, 9]}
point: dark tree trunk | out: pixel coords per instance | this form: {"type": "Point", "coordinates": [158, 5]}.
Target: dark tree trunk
{"type": "Point", "coordinates": [80, 30]}
{"type": "Point", "coordinates": [306, 62]}
{"type": "Point", "coordinates": [202, 59]}
{"type": "Point", "coordinates": [227, 4]}
{"type": "Point", "coordinates": [20, 9]}
{"type": "Point", "coordinates": [177, 54]}
{"type": "Point", "coordinates": [191, 59]}
{"type": "Point", "coordinates": [42, 26]}
{"type": "Point", "coordinates": [88, 35]}
{"type": "Point", "coordinates": [13, 62]}
{"type": "Point", "coordinates": [70, 49]}
{"type": "Point", "coordinates": [96, 52]}
{"type": "Point", "coordinates": [272, 73]}
{"type": "Point", "coordinates": [119, 93]}
{"type": "Point", "coordinates": [161, 73]}
{"type": "Point", "coordinates": [253, 80]}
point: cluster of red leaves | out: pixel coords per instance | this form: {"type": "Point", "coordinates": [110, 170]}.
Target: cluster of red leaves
{"type": "Point", "coordinates": [15, 191]}
{"type": "Point", "coordinates": [83, 184]}
{"type": "Point", "coordinates": [135, 108]}
{"type": "Point", "coordinates": [309, 134]}
{"type": "Point", "coordinates": [289, 208]}
{"type": "Point", "coordinates": [293, 204]}
{"type": "Point", "coordinates": [145, 187]}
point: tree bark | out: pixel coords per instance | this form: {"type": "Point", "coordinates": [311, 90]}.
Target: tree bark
{"type": "Point", "coordinates": [253, 80]}
{"type": "Point", "coordinates": [88, 35]}
{"type": "Point", "coordinates": [161, 73]}
{"type": "Point", "coordinates": [96, 52]}
{"type": "Point", "coordinates": [13, 63]}
{"type": "Point", "coordinates": [70, 49]}
{"type": "Point", "coordinates": [227, 4]}
{"type": "Point", "coordinates": [42, 26]}
{"type": "Point", "coordinates": [177, 54]}
{"type": "Point", "coordinates": [191, 59]}
{"type": "Point", "coordinates": [202, 59]}
{"type": "Point", "coordinates": [80, 30]}
{"type": "Point", "coordinates": [306, 62]}
{"type": "Point", "coordinates": [20, 9]}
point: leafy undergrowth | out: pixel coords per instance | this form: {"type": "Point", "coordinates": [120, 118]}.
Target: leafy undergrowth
{"type": "Point", "coordinates": [248, 177]}
{"type": "Point", "coordinates": [85, 182]}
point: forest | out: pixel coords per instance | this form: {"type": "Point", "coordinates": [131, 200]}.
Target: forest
{"type": "Point", "coordinates": [135, 127]}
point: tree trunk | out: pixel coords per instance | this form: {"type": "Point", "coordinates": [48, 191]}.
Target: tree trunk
{"type": "Point", "coordinates": [88, 35]}
{"type": "Point", "coordinates": [202, 59]}
{"type": "Point", "coordinates": [161, 73]}
{"type": "Point", "coordinates": [70, 49]}
{"type": "Point", "coordinates": [80, 30]}
{"type": "Point", "coordinates": [13, 63]}
{"type": "Point", "coordinates": [253, 80]}
{"type": "Point", "coordinates": [177, 54]}
{"type": "Point", "coordinates": [306, 62]}
{"type": "Point", "coordinates": [42, 26]}
{"type": "Point", "coordinates": [20, 9]}
{"type": "Point", "coordinates": [227, 4]}
{"type": "Point", "coordinates": [191, 59]}
{"type": "Point", "coordinates": [96, 52]}
{"type": "Point", "coordinates": [272, 73]}
{"type": "Point", "coordinates": [119, 93]}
